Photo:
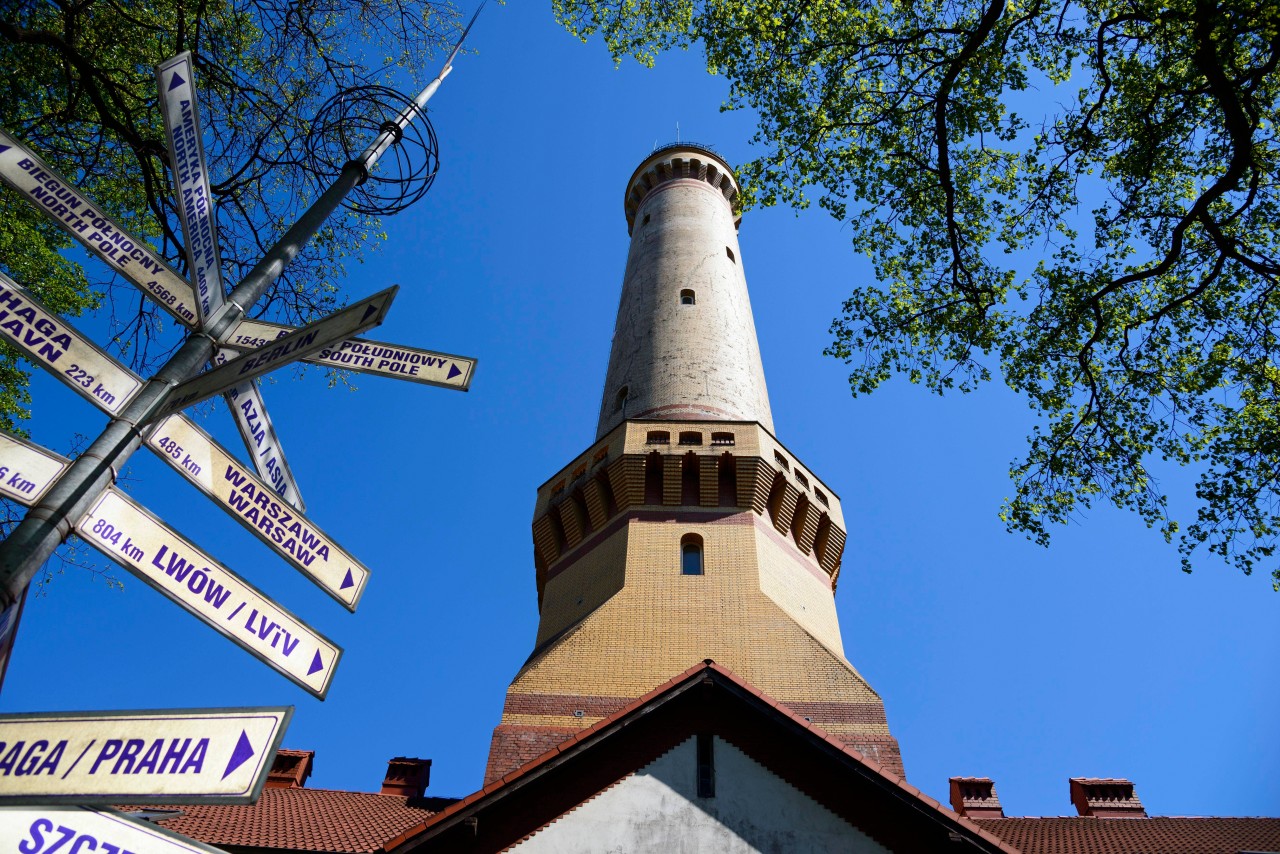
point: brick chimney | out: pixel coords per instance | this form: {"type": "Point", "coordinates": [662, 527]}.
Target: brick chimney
{"type": "Point", "coordinates": [1106, 798]}
{"type": "Point", "coordinates": [290, 769]}
{"type": "Point", "coordinates": [975, 797]}
{"type": "Point", "coordinates": [407, 777]}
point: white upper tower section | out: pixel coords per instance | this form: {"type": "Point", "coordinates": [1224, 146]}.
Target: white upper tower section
{"type": "Point", "coordinates": [684, 344]}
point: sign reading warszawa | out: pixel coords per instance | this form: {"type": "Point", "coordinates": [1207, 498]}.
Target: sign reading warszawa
{"type": "Point", "coordinates": [137, 757]}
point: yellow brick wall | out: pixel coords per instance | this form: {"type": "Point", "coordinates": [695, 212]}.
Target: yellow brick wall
{"type": "Point", "coordinates": [583, 586]}
{"type": "Point", "coordinates": [790, 581]}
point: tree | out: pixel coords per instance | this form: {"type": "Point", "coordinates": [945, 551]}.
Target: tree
{"type": "Point", "coordinates": [961, 141]}
{"type": "Point", "coordinates": [79, 90]}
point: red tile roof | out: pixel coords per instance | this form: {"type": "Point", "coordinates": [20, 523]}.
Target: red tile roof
{"type": "Point", "coordinates": [301, 820]}
{"type": "Point", "coordinates": [1169, 835]}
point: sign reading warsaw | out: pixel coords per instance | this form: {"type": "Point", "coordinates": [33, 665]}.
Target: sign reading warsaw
{"type": "Point", "coordinates": [69, 356]}
{"type": "Point", "coordinates": [26, 470]}
{"type": "Point", "coordinates": [368, 357]}
{"type": "Point", "coordinates": [81, 830]}
{"type": "Point", "coordinates": [55, 196]}
{"type": "Point", "coordinates": [253, 504]}
{"type": "Point", "coordinates": [139, 541]}
{"type": "Point", "coordinates": [171, 756]}
{"type": "Point", "coordinates": [355, 318]}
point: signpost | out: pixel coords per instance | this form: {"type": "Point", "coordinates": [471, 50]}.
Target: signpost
{"type": "Point", "coordinates": [353, 319]}
{"type": "Point", "coordinates": [163, 558]}
{"type": "Point", "coordinates": [81, 830]}
{"type": "Point", "coordinates": [139, 757]}
{"type": "Point", "coordinates": [27, 471]}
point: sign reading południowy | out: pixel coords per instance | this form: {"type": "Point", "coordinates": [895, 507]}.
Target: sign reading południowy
{"type": "Point", "coordinates": [85, 830]}
{"type": "Point", "coordinates": [58, 199]}
{"type": "Point", "coordinates": [355, 318]}
{"type": "Point", "coordinates": [68, 355]}
{"type": "Point", "coordinates": [139, 757]}
{"type": "Point", "coordinates": [26, 470]}
{"type": "Point", "coordinates": [139, 541]}
{"type": "Point", "coordinates": [251, 502]}
{"type": "Point", "coordinates": [368, 357]}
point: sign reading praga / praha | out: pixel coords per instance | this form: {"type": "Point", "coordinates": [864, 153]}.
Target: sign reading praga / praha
{"type": "Point", "coordinates": [173, 756]}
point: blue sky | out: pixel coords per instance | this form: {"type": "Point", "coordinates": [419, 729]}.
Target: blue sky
{"type": "Point", "coordinates": [994, 657]}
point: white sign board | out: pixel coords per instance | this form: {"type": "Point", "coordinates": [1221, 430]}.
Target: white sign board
{"type": "Point", "coordinates": [260, 437]}
{"type": "Point", "coordinates": [367, 357]}
{"type": "Point", "coordinates": [58, 199]}
{"type": "Point", "coordinates": [83, 830]}
{"type": "Point", "coordinates": [27, 471]}
{"type": "Point", "coordinates": [139, 541]}
{"type": "Point", "coordinates": [71, 357]}
{"type": "Point", "coordinates": [253, 503]}
{"type": "Point", "coordinates": [181, 113]}
{"type": "Point", "coordinates": [300, 343]}
{"type": "Point", "coordinates": [139, 757]}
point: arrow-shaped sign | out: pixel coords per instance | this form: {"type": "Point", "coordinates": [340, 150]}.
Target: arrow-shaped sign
{"type": "Point", "coordinates": [365, 314]}
{"type": "Point", "coordinates": [134, 538]}
{"type": "Point", "coordinates": [86, 830]}
{"type": "Point", "coordinates": [174, 756]}
{"type": "Point", "coordinates": [59, 200]}
{"type": "Point", "coordinates": [368, 357]}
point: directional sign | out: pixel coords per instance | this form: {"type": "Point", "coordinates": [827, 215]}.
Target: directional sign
{"type": "Point", "coordinates": [368, 357]}
{"type": "Point", "coordinates": [27, 471]}
{"type": "Point", "coordinates": [252, 503]}
{"type": "Point", "coordinates": [139, 541]}
{"type": "Point", "coordinates": [181, 113]}
{"type": "Point", "coordinates": [260, 437]}
{"type": "Point", "coordinates": [69, 356]}
{"type": "Point", "coordinates": [58, 199]}
{"type": "Point", "coordinates": [366, 314]}
{"type": "Point", "coordinates": [180, 756]}
{"type": "Point", "coordinates": [84, 830]}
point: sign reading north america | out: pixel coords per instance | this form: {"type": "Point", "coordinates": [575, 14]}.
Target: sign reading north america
{"type": "Point", "coordinates": [85, 830]}
{"type": "Point", "coordinates": [27, 471]}
{"type": "Point", "coordinates": [139, 757]}
{"type": "Point", "coordinates": [140, 542]}
{"type": "Point", "coordinates": [253, 503]}
{"type": "Point", "coordinates": [298, 344]}
{"type": "Point", "coordinates": [71, 357]}
{"type": "Point", "coordinates": [368, 357]}
{"type": "Point", "coordinates": [62, 202]}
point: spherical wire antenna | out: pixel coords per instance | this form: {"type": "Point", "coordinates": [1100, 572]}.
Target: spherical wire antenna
{"type": "Point", "coordinates": [349, 121]}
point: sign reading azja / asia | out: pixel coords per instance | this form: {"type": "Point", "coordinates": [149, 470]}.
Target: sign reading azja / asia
{"type": "Point", "coordinates": [139, 757]}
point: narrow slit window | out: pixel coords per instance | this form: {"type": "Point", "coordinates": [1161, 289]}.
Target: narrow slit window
{"type": "Point", "coordinates": [620, 399]}
{"type": "Point", "coordinates": [729, 252]}
{"type": "Point", "coordinates": [687, 297]}
{"type": "Point", "coordinates": [706, 765]}
{"type": "Point", "coordinates": [691, 555]}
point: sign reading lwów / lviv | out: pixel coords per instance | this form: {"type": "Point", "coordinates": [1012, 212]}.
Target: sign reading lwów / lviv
{"type": "Point", "coordinates": [139, 757]}
{"type": "Point", "coordinates": [137, 540]}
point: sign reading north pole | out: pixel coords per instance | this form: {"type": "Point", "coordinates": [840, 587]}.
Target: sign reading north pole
{"type": "Point", "coordinates": [139, 757]}
{"type": "Point", "coordinates": [139, 541]}
{"type": "Point", "coordinates": [84, 830]}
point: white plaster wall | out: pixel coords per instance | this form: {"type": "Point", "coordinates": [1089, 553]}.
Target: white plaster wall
{"type": "Point", "coordinates": [702, 358]}
{"type": "Point", "coordinates": [657, 809]}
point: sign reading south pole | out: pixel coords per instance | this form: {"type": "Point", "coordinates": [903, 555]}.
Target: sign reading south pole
{"type": "Point", "coordinates": [85, 830]}
{"type": "Point", "coordinates": [139, 541]}
{"type": "Point", "coordinates": [139, 757]}
{"type": "Point", "coordinates": [62, 202]}
{"type": "Point", "coordinates": [298, 344]}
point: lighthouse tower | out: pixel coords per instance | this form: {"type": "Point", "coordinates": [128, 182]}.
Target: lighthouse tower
{"type": "Point", "coordinates": [687, 531]}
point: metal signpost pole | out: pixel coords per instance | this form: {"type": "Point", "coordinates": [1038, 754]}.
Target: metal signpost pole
{"type": "Point", "coordinates": [48, 523]}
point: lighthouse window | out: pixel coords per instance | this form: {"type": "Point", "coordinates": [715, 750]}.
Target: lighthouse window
{"type": "Point", "coordinates": [620, 399]}
{"type": "Point", "coordinates": [729, 252]}
{"type": "Point", "coordinates": [691, 555]}
{"type": "Point", "coordinates": [686, 297]}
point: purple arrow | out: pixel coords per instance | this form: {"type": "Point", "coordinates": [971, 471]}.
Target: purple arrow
{"type": "Point", "coordinates": [368, 312]}
{"type": "Point", "coordinates": [453, 371]}
{"type": "Point", "coordinates": [175, 81]}
{"type": "Point", "coordinates": [240, 755]}
{"type": "Point", "coordinates": [348, 581]}
{"type": "Point", "coordinates": [4, 148]}
{"type": "Point", "coordinates": [316, 664]}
